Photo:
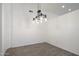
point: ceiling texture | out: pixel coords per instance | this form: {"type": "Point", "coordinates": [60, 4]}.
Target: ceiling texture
{"type": "Point", "coordinates": [53, 8]}
{"type": "Point", "coordinates": [56, 8]}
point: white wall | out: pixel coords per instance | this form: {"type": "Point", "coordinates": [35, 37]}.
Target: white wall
{"type": "Point", "coordinates": [24, 31]}
{"type": "Point", "coordinates": [47, 8]}
{"type": "Point", "coordinates": [17, 26]}
{"type": "Point", "coordinates": [64, 32]}
{"type": "Point", "coordinates": [6, 26]}
{"type": "Point", "coordinates": [0, 29]}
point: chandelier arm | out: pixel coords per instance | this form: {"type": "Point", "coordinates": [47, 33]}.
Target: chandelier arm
{"type": "Point", "coordinates": [40, 16]}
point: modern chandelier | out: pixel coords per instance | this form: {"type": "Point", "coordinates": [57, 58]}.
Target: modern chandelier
{"type": "Point", "coordinates": [40, 17]}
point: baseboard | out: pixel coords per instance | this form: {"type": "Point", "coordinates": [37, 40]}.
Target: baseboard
{"type": "Point", "coordinates": [63, 48]}
{"type": "Point", "coordinates": [26, 44]}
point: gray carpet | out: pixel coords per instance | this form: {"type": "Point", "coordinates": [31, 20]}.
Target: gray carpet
{"type": "Point", "coordinates": [40, 49]}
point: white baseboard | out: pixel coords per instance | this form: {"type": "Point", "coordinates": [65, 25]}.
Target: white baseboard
{"type": "Point", "coordinates": [63, 48]}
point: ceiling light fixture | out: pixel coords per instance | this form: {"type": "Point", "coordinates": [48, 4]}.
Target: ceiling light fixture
{"type": "Point", "coordinates": [69, 9]}
{"type": "Point", "coordinates": [63, 6]}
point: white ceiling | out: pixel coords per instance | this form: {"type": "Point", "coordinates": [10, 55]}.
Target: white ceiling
{"type": "Point", "coordinates": [56, 8]}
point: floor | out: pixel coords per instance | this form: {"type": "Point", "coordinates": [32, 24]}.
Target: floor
{"type": "Point", "coordinates": [40, 49]}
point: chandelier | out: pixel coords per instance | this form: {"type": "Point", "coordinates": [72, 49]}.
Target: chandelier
{"type": "Point", "coordinates": [40, 18]}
